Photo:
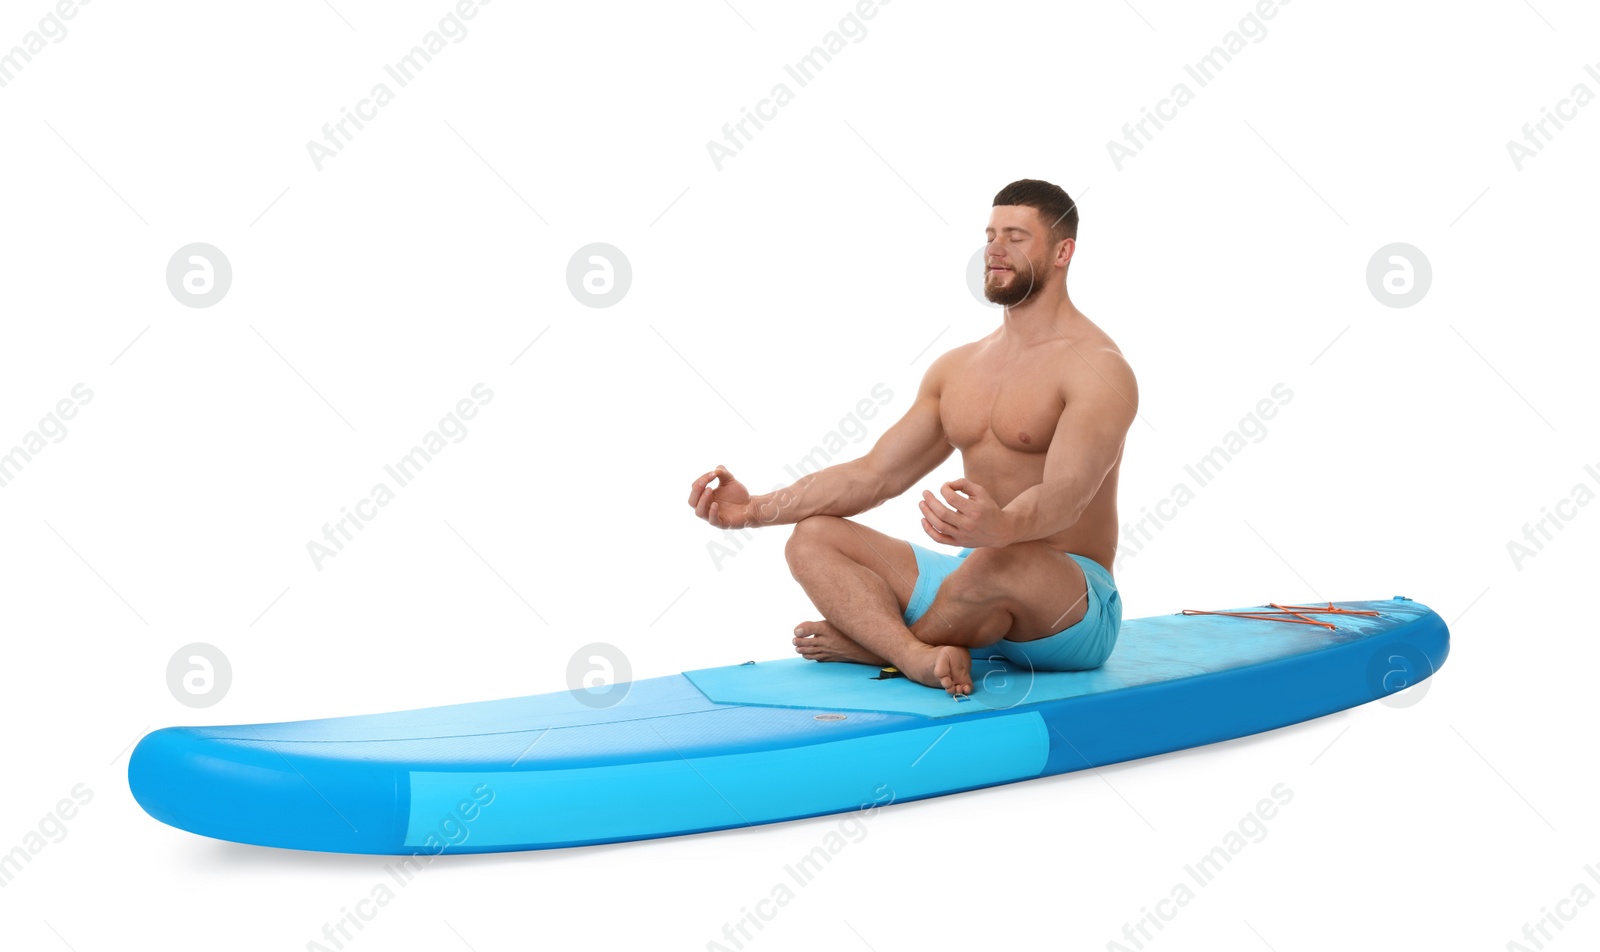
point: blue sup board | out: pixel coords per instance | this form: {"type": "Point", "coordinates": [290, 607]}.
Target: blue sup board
{"type": "Point", "coordinates": [760, 742]}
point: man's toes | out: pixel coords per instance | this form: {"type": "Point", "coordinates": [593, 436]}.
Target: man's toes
{"type": "Point", "coordinates": [954, 670]}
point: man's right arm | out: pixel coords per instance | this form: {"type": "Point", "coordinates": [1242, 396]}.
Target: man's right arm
{"type": "Point", "coordinates": [908, 451]}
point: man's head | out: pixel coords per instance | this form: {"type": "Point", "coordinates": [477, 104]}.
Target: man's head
{"type": "Point", "coordinates": [1033, 229]}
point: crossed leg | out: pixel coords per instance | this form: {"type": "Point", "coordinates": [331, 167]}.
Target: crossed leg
{"type": "Point", "coordinates": [861, 580]}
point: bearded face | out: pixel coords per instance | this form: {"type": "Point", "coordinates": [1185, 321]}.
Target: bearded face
{"type": "Point", "coordinates": [1012, 283]}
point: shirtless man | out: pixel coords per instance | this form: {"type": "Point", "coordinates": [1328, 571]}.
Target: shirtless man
{"type": "Point", "coordinates": [1039, 409]}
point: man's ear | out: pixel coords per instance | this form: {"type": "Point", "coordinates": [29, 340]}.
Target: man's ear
{"type": "Point", "coordinates": [1065, 251]}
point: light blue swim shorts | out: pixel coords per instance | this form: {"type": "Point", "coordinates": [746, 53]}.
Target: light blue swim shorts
{"type": "Point", "coordinates": [1078, 647]}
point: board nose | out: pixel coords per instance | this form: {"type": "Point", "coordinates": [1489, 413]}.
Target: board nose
{"type": "Point", "coordinates": [264, 793]}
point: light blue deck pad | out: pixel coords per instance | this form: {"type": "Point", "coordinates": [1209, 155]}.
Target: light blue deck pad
{"type": "Point", "coordinates": [1149, 650]}
{"type": "Point", "coordinates": [728, 747]}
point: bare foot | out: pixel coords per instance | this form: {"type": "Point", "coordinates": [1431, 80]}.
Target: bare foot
{"type": "Point", "coordinates": [820, 641]}
{"type": "Point", "coordinates": [940, 666]}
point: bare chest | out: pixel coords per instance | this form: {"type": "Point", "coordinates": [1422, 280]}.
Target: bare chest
{"type": "Point", "coordinates": [1017, 407]}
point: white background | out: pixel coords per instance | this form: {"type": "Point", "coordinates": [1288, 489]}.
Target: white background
{"type": "Point", "coordinates": [768, 298]}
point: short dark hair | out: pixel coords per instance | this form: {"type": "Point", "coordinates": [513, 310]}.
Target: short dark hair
{"type": "Point", "coordinates": [1059, 211]}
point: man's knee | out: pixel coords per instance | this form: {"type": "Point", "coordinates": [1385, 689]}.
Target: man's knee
{"type": "Point", "coordinates": [808, 536]}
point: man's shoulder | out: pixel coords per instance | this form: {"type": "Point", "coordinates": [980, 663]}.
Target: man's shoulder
{"type": "Point", "coordinates": [1092, 345]}
{"type": "Point", "coordinates": [952, 360]}
{"type": "Point", "coordinates": [1094, 363]}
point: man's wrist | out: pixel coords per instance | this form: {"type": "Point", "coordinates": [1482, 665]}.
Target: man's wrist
{"type": "Point", "coordinates": [769, 508]}
{"type": "Point", "coordinates": [1015, 526]}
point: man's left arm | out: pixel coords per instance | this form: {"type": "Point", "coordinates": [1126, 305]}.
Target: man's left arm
{"type": "Point", "coordinates": [1101, 405]}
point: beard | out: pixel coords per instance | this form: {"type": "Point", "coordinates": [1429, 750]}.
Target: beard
{"type": "Point", "coordinates": [1022, 284]}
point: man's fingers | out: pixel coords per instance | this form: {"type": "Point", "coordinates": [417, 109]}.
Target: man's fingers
{"type": "Point", "coordinates": [938, 523]}
{"type": "Point", "coordinates": [703, 496]}
{"type": "Point", "coordinates": [934, 519]}
{"type": "Point", "coordinates": [932, 505]}
{"type": "Point", "coordinates": [950, 495]}
{"type": "Point", "coordinates": [702, 505]}
{"type": "Point", "coordinates": [966, 487]}
{"type": "Point", "coordinates": [935, 534]}
{"type": "Point", "coordinates": [699, 485]}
